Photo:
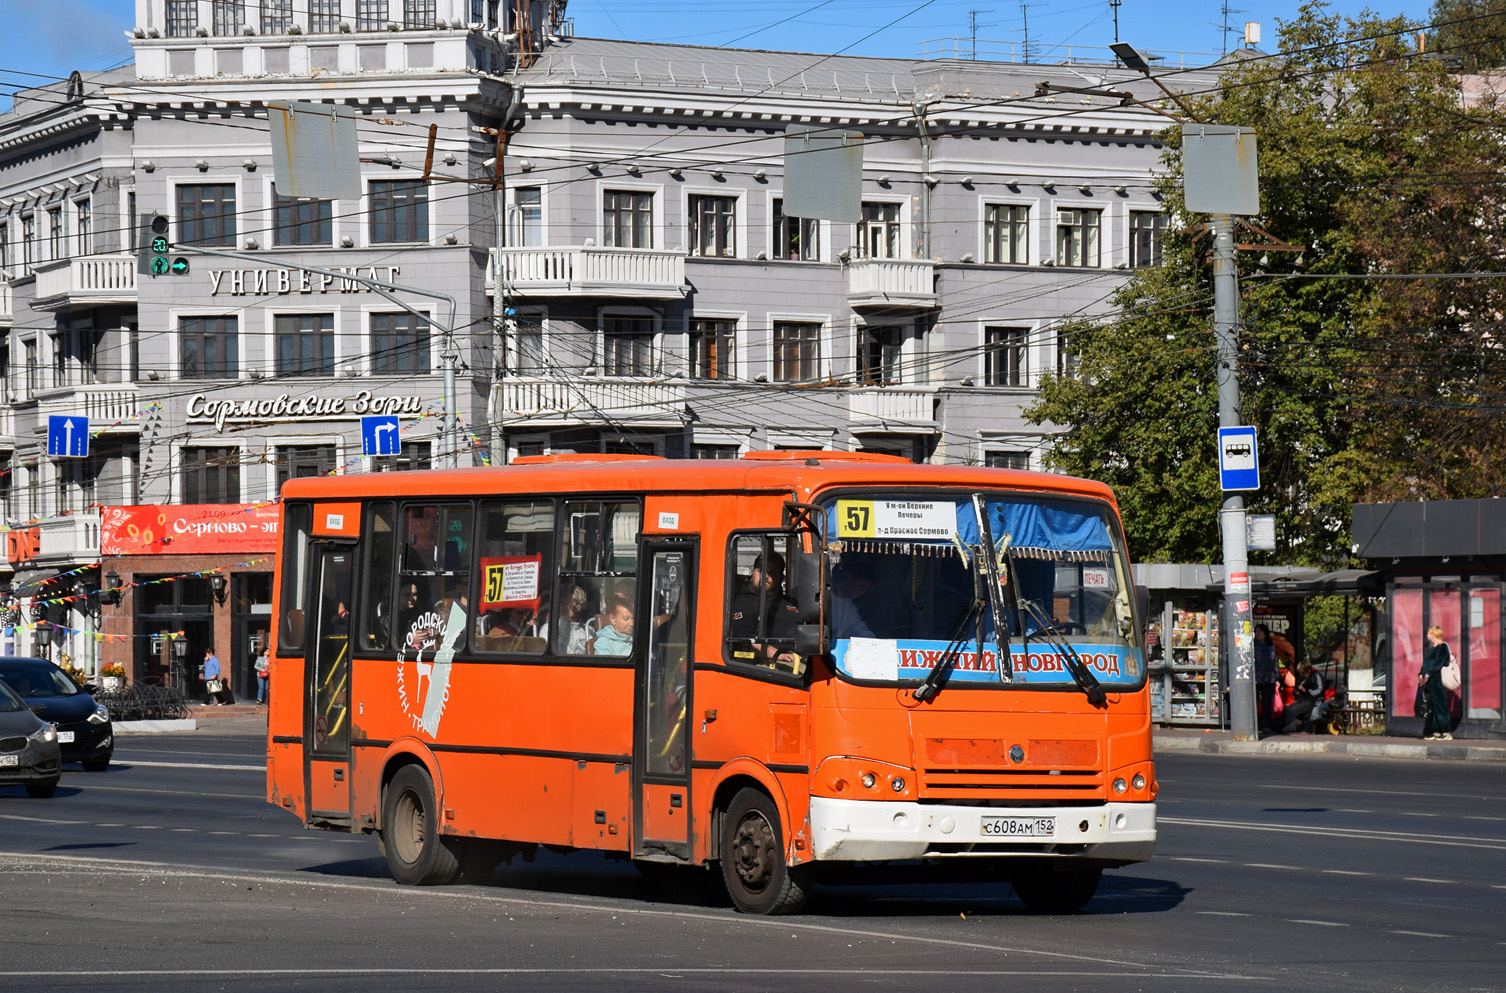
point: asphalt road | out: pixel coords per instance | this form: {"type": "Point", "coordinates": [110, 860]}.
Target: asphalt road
{"type": "Point", "coordinates": [169, 873]}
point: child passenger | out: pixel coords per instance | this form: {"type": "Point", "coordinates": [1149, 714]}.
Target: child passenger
{"type": "Point", "coordinates": [616, 638]}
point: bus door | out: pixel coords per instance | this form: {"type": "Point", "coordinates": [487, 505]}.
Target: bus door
{"type": "Point", "coordinates": [327, 694]}
{"type": "Point", "coordinates": [661, 752]}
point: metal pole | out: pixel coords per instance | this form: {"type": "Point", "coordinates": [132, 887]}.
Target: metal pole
{"type": "Point", "coordinates": [1236, 633]}
{"type": "Point", "coordinates": [920, 107]}
{"type": "Point", "coordinates": [499, 325]}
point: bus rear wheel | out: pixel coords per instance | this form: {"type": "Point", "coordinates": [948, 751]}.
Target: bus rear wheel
{"type": "Point", "coordinates": [416, 854]}
{"type": "Point", "coordinates": [1056, 892]}
{"type": "Point", "coordinates": [758, 878]}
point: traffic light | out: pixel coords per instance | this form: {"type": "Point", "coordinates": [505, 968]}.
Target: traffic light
{"type": "Point", "coordinates": [155, 248]}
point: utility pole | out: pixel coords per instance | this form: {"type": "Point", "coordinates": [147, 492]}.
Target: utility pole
{"type": "Point", "coordinates": [1115, 5]}
{"type": "Point", "coordinates": [972, 17]}
{"type": "Point", "coordinates": [920, 107]}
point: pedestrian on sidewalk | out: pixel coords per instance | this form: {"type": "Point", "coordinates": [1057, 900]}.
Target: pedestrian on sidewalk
{"type": "Point", "coordinates": [263, 674]}
{"type": "Point", "coordinates": [1305, 697]}
{"type": "Point", "coordinates": [1265, 676]}
{"type": "Point", "coordinates": [1436, 727]}
{"type": "Point", "coordinates": [217, 686]}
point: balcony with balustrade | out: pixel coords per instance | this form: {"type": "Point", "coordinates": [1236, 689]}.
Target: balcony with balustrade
{"type": "Point", "coordinates": [7, 307]}
{"type": "Point", "coordinates": [586, 401]}
{"type": "Point", "coordinates": [68, 540]}
{"type": "Point", "coordinates": [892, 283]}
{"type": "Point", "coordinates": [893, 410]}
{"type": "Point", "coordinates": [112, 408]}
{"type": "Point", "coordinates": [87, 281]}
{"type": "Point", "coordinates": [589, 271]}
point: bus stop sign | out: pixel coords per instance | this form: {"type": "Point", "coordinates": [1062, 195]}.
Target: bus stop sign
{"type": "Point", "coordinates": [1238, 460]}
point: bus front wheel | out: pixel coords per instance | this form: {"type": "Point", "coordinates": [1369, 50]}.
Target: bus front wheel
{"type": "Point", "coordinates": [1056, 892]}
{"type": "Point", "coordinates": [416, 854]}
{"type": "Point", "coordinates": [758, 878]}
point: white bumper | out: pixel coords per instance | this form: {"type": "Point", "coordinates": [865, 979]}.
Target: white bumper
{"type": "Point", "coordinates": [865, 830]}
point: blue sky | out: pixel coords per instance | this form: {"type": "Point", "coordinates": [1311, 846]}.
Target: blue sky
{"type": "Point", "coordinates": [53, 37]}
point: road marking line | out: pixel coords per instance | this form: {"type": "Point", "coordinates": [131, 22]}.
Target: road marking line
{"type": "Point", "coordinates": [1161, 973]}
{"type": "Point", "coordinates": [1424, 879]}
{"type": "Point", "coordinates": [193, 765]}
{"type": "Point", "coordinates": [1221, 913]}
{"type": "Point", "coordinates": [187, 830]}
{"type": "Point", "coordinates": [147, 827]}
{"type": "Point", "coordinates": [39, 820]}
{"type": "Point", "coordinates": [1477, 817]}
{"type": "Point", "coordinates": [1189, 858]}
{"type": "Point", "coordinates": [1356, 789]}
{"type": "Point", "coordinates": [1358, 834]}
{"type": "Point", "coordinates": [1344, 872]}
{"type": "Point", "coordinates": [472, 894]}
{"type": "Point", "coordinates": [1299, 920]}
{"type": "Point", "coordinates": [194, 793]}
{"type": "Point", "coordinates": [1419, 934]}
{"type": "Point", "coordinates": [1267, 865]}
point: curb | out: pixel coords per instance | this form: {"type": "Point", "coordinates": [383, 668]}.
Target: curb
{"type": "Point", "coordinates": [154, 727]}
{"type": "Point", "coordinates": [1360, 749]}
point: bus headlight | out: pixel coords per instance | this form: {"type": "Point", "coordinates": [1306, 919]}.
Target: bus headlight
{"type": "Point", "coordinates": [1139, 781]}
{"type": "Point", "coordinates": [1120, 785]}
{"type": "Point", "coordinates": [869, 780]}
{"type": "Point", "coordinates": [897, 784]}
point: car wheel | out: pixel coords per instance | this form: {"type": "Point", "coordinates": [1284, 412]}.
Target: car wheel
{"type": "Point", "coordinates": [96, 764]}
{"type": "Point", "coordinates": [42, 790]}
{"type": "Point", "coordinates": [1048, 892]}
{"type": "Point", "coordinates": [416, 853]}
{"type": "Point", "coordinates": [758, 878]}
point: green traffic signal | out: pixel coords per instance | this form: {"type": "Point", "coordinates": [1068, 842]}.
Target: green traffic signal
{"type": "Point", "coordinates": [159, 245]}
{"type": "Point", "coordinates": [159, 266]}
{"type": "Point", "coordinates": [180, 266]}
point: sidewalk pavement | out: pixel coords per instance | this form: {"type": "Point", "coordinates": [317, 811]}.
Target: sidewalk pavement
{"type": "Point", "coordinates": [1359, 745]}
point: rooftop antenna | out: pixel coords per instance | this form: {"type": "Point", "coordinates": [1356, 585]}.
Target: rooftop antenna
{"type": "Point", "coordinates": [1025, 30]}
{"type": "Point", "coordinates": [1226, 10]}
{"type": "Point", "coordinates": [972, 17]}
{"type": "Point", "coordinates": [1115, 5]}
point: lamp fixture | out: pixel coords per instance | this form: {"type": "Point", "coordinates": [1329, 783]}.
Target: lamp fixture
{"type": "Point", "coordinates": [966, 181]}
{"type": "Point", "coordinates": [1120, 190]}
{"type": "Point", "coordinates": [761, 175]}
{"type": "Point", "coordinates": [249, 165]}
{"type": "Point", "coordinates": [201, 165]}
{"type": "Point", "coordinates": [218, 583]}
{"type": "Point", "coordinates": [884, 180]}
{"type": "Point", "coordinates": [525, 165]}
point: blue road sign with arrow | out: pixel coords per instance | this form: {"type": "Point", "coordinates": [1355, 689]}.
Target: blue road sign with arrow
{"type": "Point", "coordinates": [1238, 460]}
{"type": "Point", "coordinates": [379, 436]}
{"type": "Point", "coordinates": [68, 437]}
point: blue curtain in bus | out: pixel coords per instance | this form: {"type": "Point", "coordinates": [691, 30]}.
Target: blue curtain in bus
{"type": "Point", "coordinates": [1046, 528]}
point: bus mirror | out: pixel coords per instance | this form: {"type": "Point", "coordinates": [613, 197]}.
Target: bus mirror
{"type": "Point", "coordinates": [805, 585]}
{"type": "Point", "coordinates": [810, 639]}
{"type": "Point", "coordinates": [1142, 603]}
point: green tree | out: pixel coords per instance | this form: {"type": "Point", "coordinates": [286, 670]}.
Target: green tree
{"type": "Point", "coordinates": [1361, 388]}
{"type": "Point", "coordinates": [1473, 30]}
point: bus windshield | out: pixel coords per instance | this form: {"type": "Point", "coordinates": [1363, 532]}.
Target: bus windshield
{"type": "Point", "coordinates": [902, 581]}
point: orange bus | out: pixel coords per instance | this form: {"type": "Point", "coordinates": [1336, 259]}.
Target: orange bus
{"type": "Point", "coordinates": [765, 665]}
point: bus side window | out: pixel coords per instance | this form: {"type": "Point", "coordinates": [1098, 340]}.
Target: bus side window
{"type": "Point", "coordinates": [298, 525]}
{"type": "Point", "coordinates": [516, 570]}
{"type": "Point", "coordinates": [760, 628]}
{"type": "Point", "coordinates": [434, 578]}
{"type": "Point", "coordinates": [380, 536]}
{"type": "Point", "coordinates": [598, 570]}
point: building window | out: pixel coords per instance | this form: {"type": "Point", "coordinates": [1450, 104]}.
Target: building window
{"type": "Point", "coordinates": [1146, 228]}
{"type": "Point", "coordinates": [1067, 356]}
{"type": "Point", "coordinates": [797, 352]}
{"type": "Point", "coordinates": [878, 356]}
{"type": "Point", "coordinates": [878, 232]}
{"type": "Point", "coordinates": [303, 222]}
{"type": "Point", "coordinates": [711, 344]}
{"type": "Point", "coordinates": [714, 451]}
{"type": "Point", "coordinates": [324, 16]}
{"type": "Point", "coordinates": [627, 345]}
{"type": "Point", "coordinates": [371, 15]}
{"type": "Point", "coordinates": [206, 214]}
{"type": "Point", "coordinates": [713, 226]}
{"type": "Point", "coordinates": [229, 17]}
{"type": "Point", "coordinates": [1005, 354]}
{"type": "Point", "coordinates": [76, 483]}
{"type": "Point", "coordinates": [795, 238]}
{"type": "Point", "coordinates": [399, 211]}
{"type": "Point", "coordinates": [1004, 233]}
{"type": "Point", "coordinates": [528, 345]}
{"type": "Point", "coordinates": [5, 248]}
{"type": "Point", "coordinates": [303, 461]}
{"type": "Point", "coordinates": [411, 455]}
{"type": "Point", "coordinates": [28, 241]}
{"type": "Point", "coordinates": [418, 14]}
{"type": "Point", "coordinates": [84, 211]}
{"type": "Point", "coordinates": [305, 344]}
{"type": "Point", "coordinates": [528, 217]}
{"type": "Point", "coordinates": [1077, 237]}
{"type": "Point", "coordinates": [182, 18]}
{"type": "Point", "coordinates": [627, 219]}
{"type": "Point", "coordinates": [55, 234]}
{"type": "Point", "coordinates": [1006, 460]}
{"type": "Point", "coordinates": [33, 367]}
{"type": "Point", "coordinates": [207, 348]}
{"type": "Point", "coordinates": [399, 343]}
{"type": "Point", "coordinates": [276, 16]}
{"type": "Point", "coordinates": [211, 475]}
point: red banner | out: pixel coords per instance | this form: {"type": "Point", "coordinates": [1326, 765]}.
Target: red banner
{"type": "Point", "coordinates": [196, 529]}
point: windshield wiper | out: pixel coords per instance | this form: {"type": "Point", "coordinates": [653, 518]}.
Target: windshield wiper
{"type": "Point", "coordinates": [1081, 674]}
{"type": "Point", "coordinates": [949, 655]}
{"type": "Point", "coordinates": [990, 556]}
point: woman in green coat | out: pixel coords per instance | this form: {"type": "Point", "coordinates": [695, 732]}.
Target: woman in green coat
{"type": "Point", "coordinates": [1431, 680]}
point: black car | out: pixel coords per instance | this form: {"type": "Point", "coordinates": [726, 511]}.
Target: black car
{"type": "Point", "coordinates": [28, 747]}
{"type": "Point", "coordinates": [85, 734]}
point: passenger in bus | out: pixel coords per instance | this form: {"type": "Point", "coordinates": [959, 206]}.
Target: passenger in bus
{"type": "Point", "coordinates": [617, 637]}
{"type": "Point", "coordinates": [777, 623]}
{"type": "Point", "coordinates": [572, 634]}
{"type": "Point", "coordinates": [849, 581]}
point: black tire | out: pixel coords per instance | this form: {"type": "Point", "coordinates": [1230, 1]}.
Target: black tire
{"type": "Point", "coordinates": [96, 764]}
{"type": "Point", "coordinates": [416, 853]}
{"type": "Point", "coordinates": [1050, 892]}
{"type": "Point", "coordinates": [42, 790]}
{"type": "Point", "coordinates": [752, 854]}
